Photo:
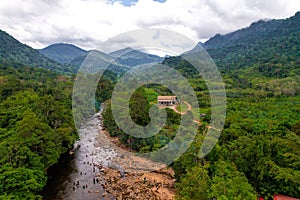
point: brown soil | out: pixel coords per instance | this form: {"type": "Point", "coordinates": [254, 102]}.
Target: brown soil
{"type": "Point", "coordinates": [189, 108]}
{"type": "Point", "coordinates": [144, 179]}
{"type": "Point", "coordinates": [157, 185]}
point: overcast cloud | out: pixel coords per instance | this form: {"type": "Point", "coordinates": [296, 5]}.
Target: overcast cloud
{"type": "Point", "coordinates": [87, 23]}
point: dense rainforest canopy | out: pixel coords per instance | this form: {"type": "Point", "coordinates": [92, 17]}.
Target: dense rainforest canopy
{"type": "Point", "coordinates": [36, 127]}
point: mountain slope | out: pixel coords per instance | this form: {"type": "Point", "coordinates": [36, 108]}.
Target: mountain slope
{"type": "Point", "coordinates": [271, 47]}
{"type": "Point", "coordinates": [97, 60]}
{"type": "Point", "coordinates": [133, 58]}
{"type": "Point", "coordinates": [63, 53]}
{"type": "Point", "coordinates": [264, 56]}
{"type": "Point", "coordinates": [121, 52]}
{"type": "Point", "coordinates": [74, 57]}
{"type": "Point", "coordinates": [120, 61]}
{"type": "Point", "coordinates": [15, 53]}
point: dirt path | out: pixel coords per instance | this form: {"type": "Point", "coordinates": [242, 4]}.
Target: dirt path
{"type": "Point", "coordinates": [189, 109]}
{"type": "Point", "coordinates": [183, 113]}
{"type": "Point", "coordinates": [179, 112]}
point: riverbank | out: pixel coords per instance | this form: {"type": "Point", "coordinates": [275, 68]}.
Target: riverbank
{"type": "Point", "coordinates": [100, 169]}
{"type": "Point", "coordinates": [75, 178]}
{"type": "Point", "coordinates": [143, 179]}
{"type": "Point", "coordinates": [158, 185]}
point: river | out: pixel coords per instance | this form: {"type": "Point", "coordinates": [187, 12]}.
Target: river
{"type": "Point", "coordinates": [74, 176]}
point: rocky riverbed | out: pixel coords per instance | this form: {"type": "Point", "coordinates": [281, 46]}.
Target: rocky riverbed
{"type": "Point", "coordinates": [154, 185]}
{"type": "Point", "coordinates": [101, 169]}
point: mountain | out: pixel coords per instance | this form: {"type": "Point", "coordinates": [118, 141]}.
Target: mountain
{"type": "Point", "coordinates": [96, 60]}
{"type": "Point", "coordinates": [265, 55]}
{"type": "Point", "coordinates": [121, 52]}
{"type": "Point", "coordinates": [120, 61]}
{"type": "Point", "coordinates": [63, 53]}
{"type": "Point", "coordinates": [13, 52]}
{"type": "Point", "coordinates": [74, 56]}
{"type": "Point", "coordinates": [272, 47]}
{"type": "Point", "coordinates": [133, 58]}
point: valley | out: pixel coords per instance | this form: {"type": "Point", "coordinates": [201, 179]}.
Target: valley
{"type": "Point", "coordinates": [257, 154]}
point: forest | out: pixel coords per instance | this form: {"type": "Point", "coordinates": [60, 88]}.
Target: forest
{"type": "Point", "coordinates": [36, 127]}
{"type": "Point", "coordinates": [257, 154]}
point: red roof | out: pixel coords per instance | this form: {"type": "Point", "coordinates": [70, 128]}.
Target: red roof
{"type": "Point", "coordinates": [166, 98]}
{"type": "Point", "coordinates": [282, 197]}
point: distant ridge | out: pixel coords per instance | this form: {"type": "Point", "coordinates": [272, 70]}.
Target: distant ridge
{"type": "Point", "coordinates": [133, 58]}
{"type": "Point", "coordinates": [63, 53]}
{"type": "Point", "coordinates": [121, 52]}
{"type": "Point", "coordinates": [121, 60]}
{"type": "Point", "coordinates": [260, 46]}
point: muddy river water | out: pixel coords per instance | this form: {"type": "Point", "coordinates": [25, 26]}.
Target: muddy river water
{"type": "Point", "coordinates": [74, 177]}
{"type": "Point", "coordinates": [78, 177]}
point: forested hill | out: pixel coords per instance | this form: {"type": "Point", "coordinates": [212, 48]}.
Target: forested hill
{"type": "Point", "coordinates": [271, 47]}
{"type": "Point", "coordinates": [264, 57]}
{"type": "Point", "coordinates": [63, 53]}
{"type": "Point", "coordinates": [121, 60]}
{"type": "Point", "coordinates": [132, 58]}
{"type": "Point", "coordinates": [14, 53]}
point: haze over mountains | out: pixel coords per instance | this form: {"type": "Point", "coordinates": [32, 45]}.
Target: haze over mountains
{"type": "Point", "coordinates": [257, 43]}
{"type": "Point", "coordinates": [133, 58]}
{"type": "Point", "coordinates": [121, 60]}
{"type": "Point", "coordinates": [63, 53]}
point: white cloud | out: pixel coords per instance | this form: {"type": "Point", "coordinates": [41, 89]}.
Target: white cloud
{"type": "Point", "coordinates": [87, 23]}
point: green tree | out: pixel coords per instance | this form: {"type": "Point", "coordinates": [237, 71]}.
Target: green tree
{"type": "Point", "coordinates": [195, 184]}
{"type": "Point", "coordinates": [230, 184]}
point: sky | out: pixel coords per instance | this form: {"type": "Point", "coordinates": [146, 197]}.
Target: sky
{"type": "Point", "coordinates": [88, 23]}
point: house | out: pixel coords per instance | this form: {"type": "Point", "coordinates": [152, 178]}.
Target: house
{"type": "Point", "coordinates": [167, 100]}
{"type": "Point", "coordinates": [280, 197]}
